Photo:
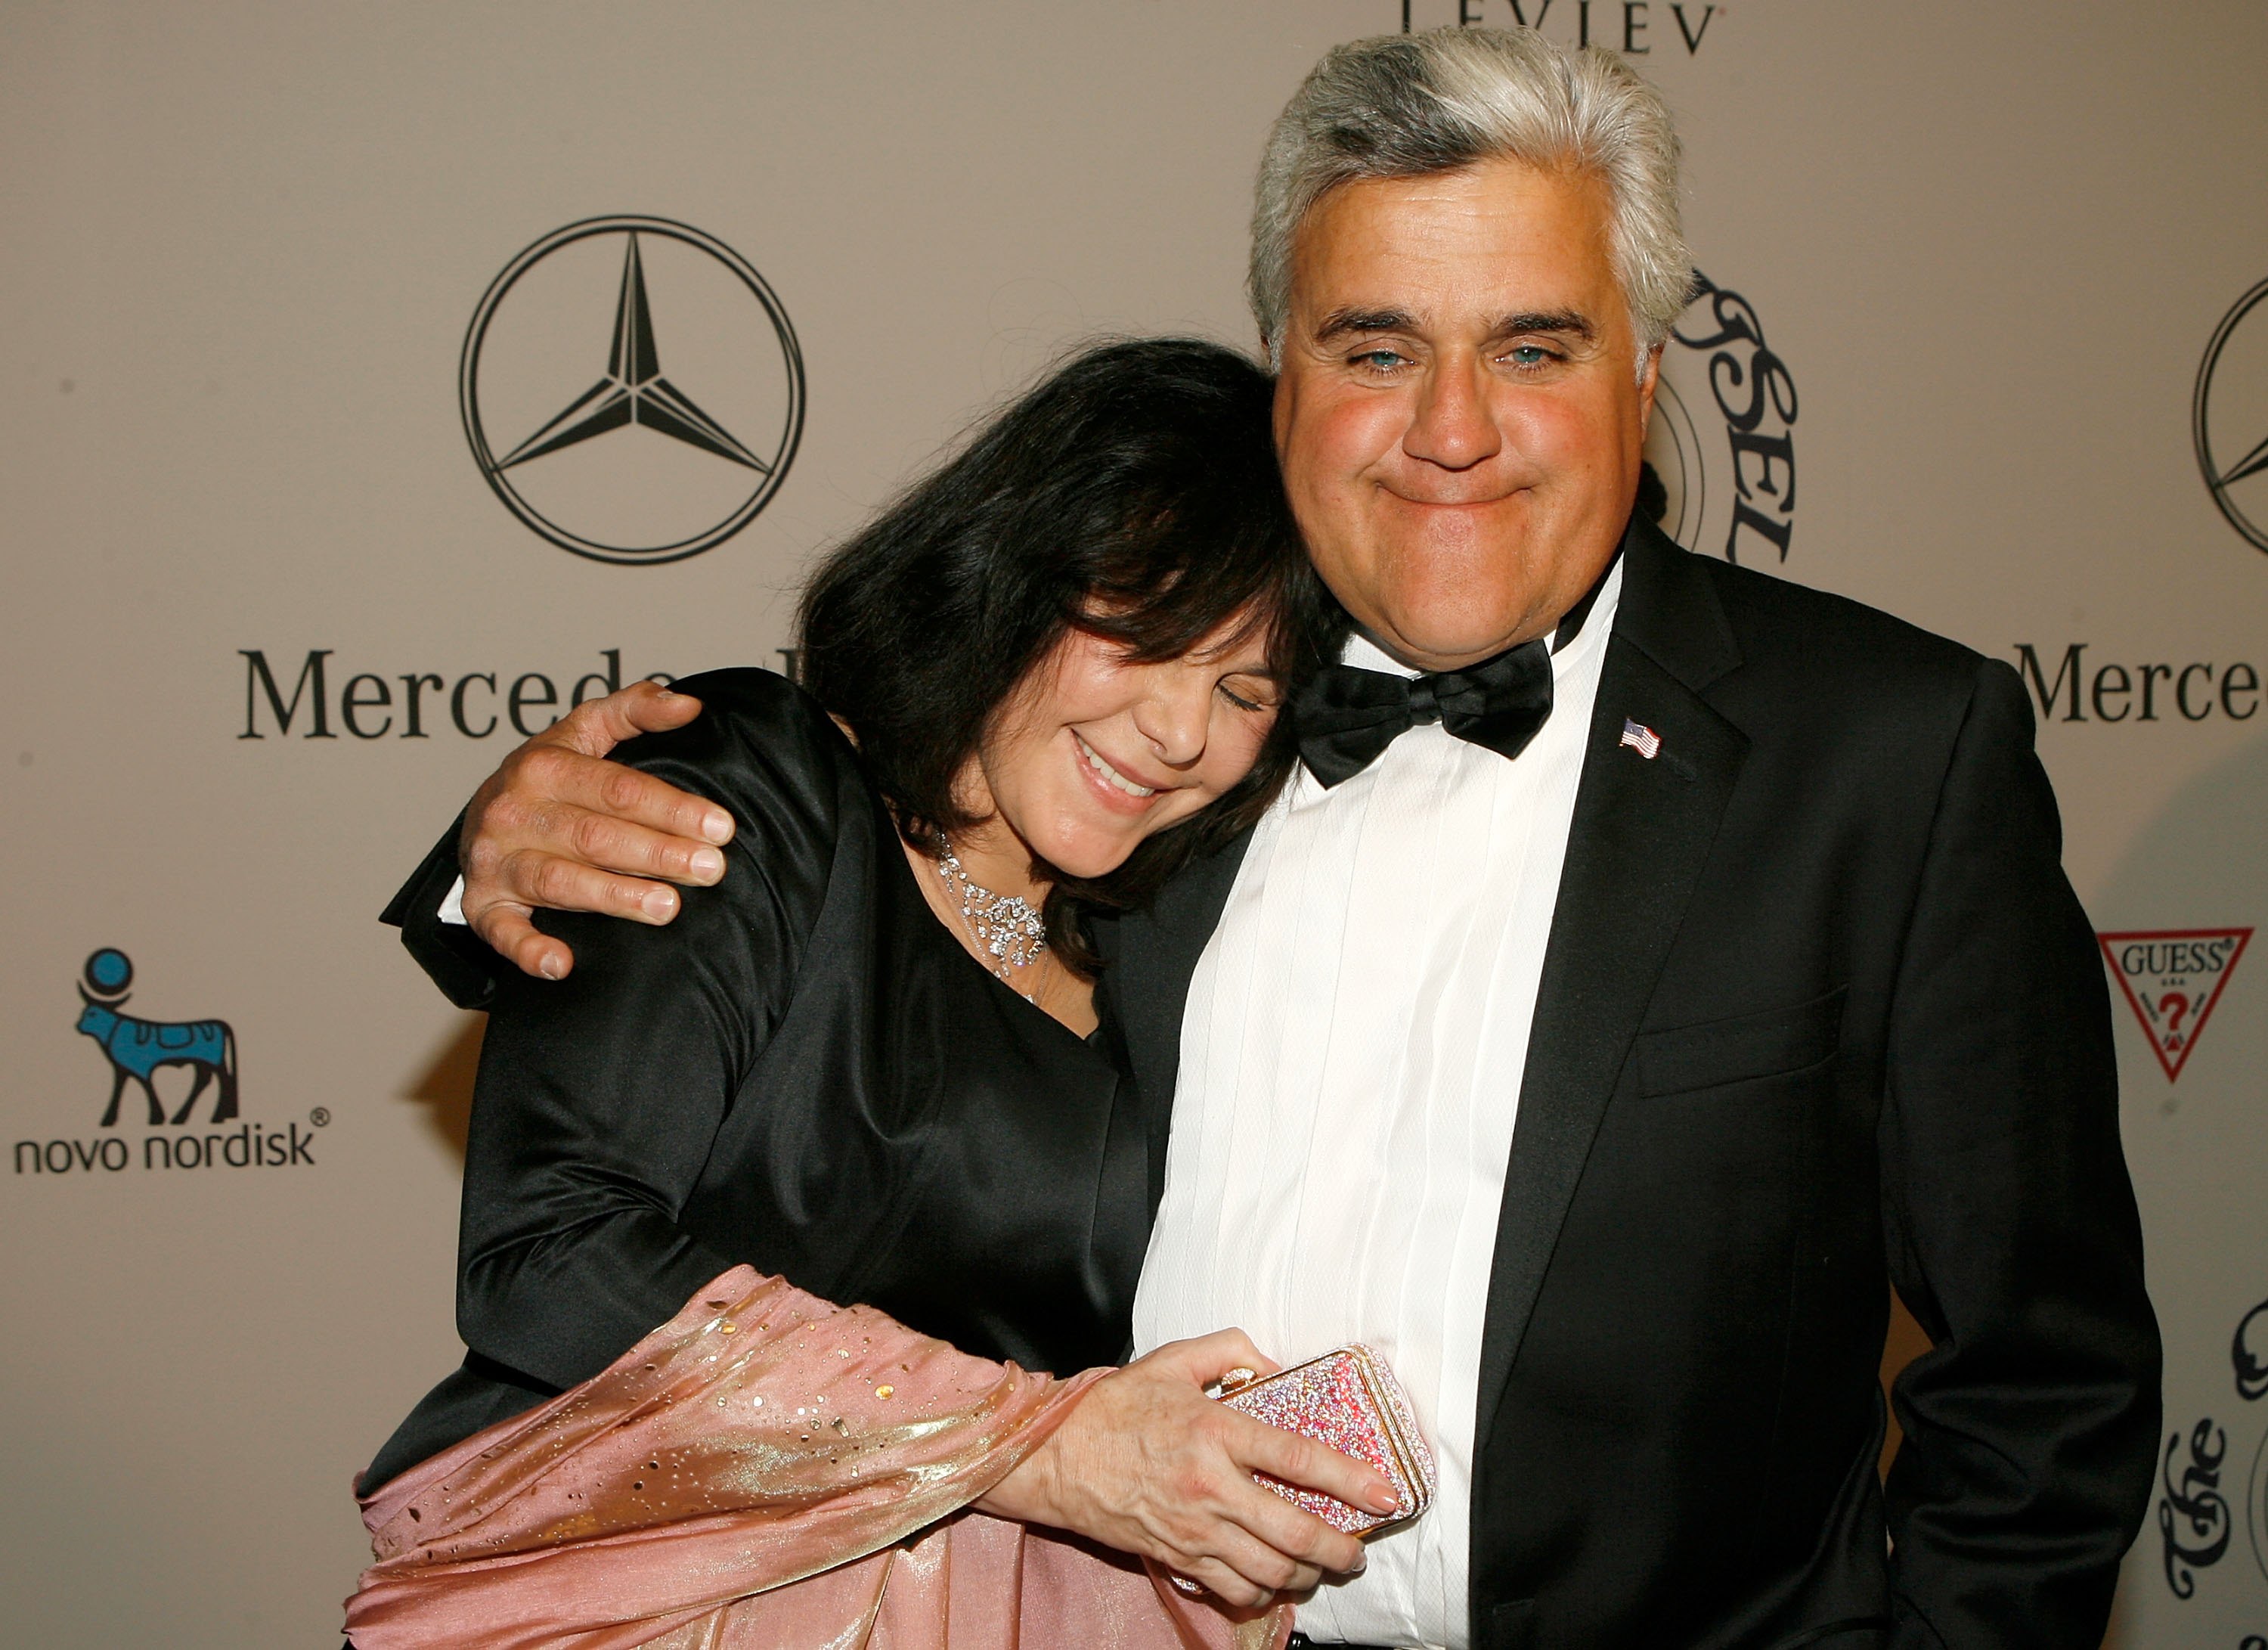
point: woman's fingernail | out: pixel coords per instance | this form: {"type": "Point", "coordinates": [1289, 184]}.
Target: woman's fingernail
{"type": "Point", "coordinates": [708, 862]}
{"type": "Point", "coordinates": [1383, 1499]}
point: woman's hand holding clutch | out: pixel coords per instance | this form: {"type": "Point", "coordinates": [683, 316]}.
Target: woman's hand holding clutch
{"type": "Point", "coordinates": [1149, 1464]}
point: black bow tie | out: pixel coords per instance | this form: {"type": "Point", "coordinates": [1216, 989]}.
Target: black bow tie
{"type": "Point", "coordinates": [1347, 715]}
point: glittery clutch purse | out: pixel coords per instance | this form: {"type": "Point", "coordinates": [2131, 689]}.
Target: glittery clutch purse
{"type": "Point", "coordinates": [1349, 1399]}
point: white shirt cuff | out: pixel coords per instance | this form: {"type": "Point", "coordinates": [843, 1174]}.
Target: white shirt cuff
{"type": "Point", "coordinates": [453, 905]}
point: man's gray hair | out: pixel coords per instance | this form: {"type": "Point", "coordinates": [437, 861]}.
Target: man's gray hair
{"type": "Point", "coordinates": [1407, 106]}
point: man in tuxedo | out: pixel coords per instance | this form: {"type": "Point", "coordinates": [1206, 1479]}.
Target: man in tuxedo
{"type": "Point", "coordinates": [1653, 963]}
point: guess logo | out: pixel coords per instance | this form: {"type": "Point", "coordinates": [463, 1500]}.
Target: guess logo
{"type": "Point", "coordinates": [2173, 979]}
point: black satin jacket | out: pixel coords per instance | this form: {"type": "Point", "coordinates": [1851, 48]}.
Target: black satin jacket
{"type": "Point", "coordinates": [805, 1073]}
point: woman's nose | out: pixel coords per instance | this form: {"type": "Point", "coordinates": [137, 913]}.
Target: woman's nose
{"type": "Point", "coordinates": [1174, 716]}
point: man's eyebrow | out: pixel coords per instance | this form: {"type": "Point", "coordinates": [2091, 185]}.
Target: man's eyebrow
{"type": "Point", "coordinates": [1345, 322]}
{"type": "Point", "coordinates": [1340, 322]}
{"type": "Point", "coordinates": [1569, 321]}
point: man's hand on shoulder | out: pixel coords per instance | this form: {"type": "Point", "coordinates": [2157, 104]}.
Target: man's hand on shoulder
{"type": "Point", "coordinates": [560, 827]}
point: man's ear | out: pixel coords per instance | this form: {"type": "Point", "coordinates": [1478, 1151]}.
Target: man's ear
{"type": "Point", "coordinates": [1649, 376]}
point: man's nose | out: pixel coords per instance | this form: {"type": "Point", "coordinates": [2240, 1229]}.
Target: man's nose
{"type": "Point", "coordinates": [1453, 425]}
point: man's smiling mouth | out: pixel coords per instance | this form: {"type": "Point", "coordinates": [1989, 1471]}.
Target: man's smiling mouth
{"type": "Point", "coordinates": [1504, 496]}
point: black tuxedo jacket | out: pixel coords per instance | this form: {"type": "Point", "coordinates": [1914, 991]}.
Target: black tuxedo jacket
{"type": "Point", "coordinates": [1819, 1013]}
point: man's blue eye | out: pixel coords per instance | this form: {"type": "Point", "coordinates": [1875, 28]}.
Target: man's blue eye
{"type": "Point", "coordinates": [1531, 355]}
{"type": "Point", "coordinates": [1379, 357]}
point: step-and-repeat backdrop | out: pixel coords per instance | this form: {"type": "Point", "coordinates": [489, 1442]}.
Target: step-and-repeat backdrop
{"type": "Point", "coordinates": [380, 381]}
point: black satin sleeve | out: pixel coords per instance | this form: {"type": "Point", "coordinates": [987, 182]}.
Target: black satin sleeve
{"type": "Point", "coordinates": [454, 957]}
{"type": "Point", "coordinates": [600, 1097]}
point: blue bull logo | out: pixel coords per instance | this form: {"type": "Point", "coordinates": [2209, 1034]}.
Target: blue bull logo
{"type": "Point", "coordinates": [136, 1047]}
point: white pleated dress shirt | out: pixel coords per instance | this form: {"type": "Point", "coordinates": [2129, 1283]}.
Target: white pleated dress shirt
{"type": "Point", "coordinates": [1351, 1056]}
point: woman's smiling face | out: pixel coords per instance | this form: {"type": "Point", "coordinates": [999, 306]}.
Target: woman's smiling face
{"type": "Point", "coordinates": [1096, 751]}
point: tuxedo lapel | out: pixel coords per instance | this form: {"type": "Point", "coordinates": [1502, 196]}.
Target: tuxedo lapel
{"type": "Point", "coordinates": [1642, 829]}
{"type": "Point", "coordinates": [1150, 960]}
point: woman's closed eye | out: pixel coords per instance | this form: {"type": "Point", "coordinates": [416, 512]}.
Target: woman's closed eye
{"type": "Point", "coordinates": [1247, 694]}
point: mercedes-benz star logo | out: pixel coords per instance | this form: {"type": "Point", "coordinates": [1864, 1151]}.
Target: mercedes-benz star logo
{"type": "Point", "coordinates": [684, 475]}
{"type": "Point", "coordinates": [2228, 416]}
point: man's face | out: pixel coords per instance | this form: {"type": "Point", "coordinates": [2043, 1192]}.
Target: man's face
{"type": "Point", "coordinates": [1460, 413]}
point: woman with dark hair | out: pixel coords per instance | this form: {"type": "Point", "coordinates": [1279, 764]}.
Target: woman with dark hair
{"type": "Point", "coordinates": [789, 1228]}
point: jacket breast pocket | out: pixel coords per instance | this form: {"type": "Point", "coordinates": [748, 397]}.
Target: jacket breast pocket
{"type": "Point", "coordinates": [1741, 1048]}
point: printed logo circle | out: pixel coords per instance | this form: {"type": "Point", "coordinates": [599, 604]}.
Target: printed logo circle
{"type": "Point", "coordinates": [1720, 475]}
{"type": "Point", "coordinates": [2228, 416]}
{"type": "Point", "coordinates": [108, 972]}
{"type": "Point", "coordinates": [632, 389]}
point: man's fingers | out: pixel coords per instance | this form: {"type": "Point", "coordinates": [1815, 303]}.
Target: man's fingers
{"type": "Point", "coordinates": [514, 938]}
{"type": "Point", "coordinates": [613, 844]}
{"type": "Point", "coordinates": [534, 879]}
{"type": "Point", "coordinates": [629, 794]}
{"type": "Point", "coordinates": [660, 711]}
{"type": "Point", "coordinates": [529, 880]}
{"type": "Point", "coordinates": [597, 725]}
{"type": "Point", "coordinates": [550, 778]}
{"type": "Point", "coordinates": [592, 729]}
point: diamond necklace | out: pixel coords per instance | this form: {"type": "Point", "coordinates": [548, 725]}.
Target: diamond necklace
{"type": "Point", "coordinates": [1005, 924]}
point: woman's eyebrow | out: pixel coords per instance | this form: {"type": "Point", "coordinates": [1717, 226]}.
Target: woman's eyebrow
{"type": "Point", "coordinates": [1214, 655]}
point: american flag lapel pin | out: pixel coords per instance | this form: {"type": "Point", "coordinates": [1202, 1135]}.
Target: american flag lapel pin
{"type": "Point", "coordinates": [1641, 739]}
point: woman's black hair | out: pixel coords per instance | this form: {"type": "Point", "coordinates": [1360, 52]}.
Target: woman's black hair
{"type": "Point", "coordinates": [1133, 494]}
